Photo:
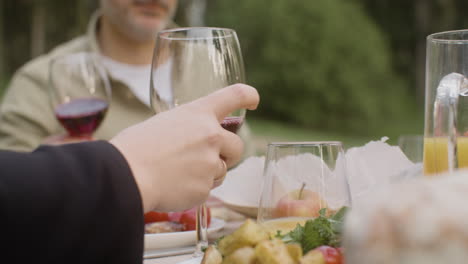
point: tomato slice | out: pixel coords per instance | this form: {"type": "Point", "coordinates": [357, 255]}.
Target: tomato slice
{"type": "Point", "coordinates": [332, 255]}
{"type": "Point", "coordinates": [189, 218]}
{"type": "Point", "coordinates": [154, 216]}
{"type": "Point", "coordinates": [175, 216]}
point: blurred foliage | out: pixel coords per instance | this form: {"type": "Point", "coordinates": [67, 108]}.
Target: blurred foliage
{"type": "Point", "coordinates": [266, 131]}
{"type": "Point", "coordinates": [346, 65]}
{"type": "Point", "coordinates": [406, 25]}
{"type": "Point", "coordinates": [319, 63]}
{"type": "Point", "coordinates": [61, 21]}
{"type": "Point", "coordinates": [3, 85]}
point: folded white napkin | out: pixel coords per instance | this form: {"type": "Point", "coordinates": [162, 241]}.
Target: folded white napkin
{"type": "Point", "coordinates": [242, 184]}
{"type": "Point", "coordinates": [374, 165]}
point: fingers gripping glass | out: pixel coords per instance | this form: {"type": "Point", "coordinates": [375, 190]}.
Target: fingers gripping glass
{"type": "Point", "coordinates": [189, 63]}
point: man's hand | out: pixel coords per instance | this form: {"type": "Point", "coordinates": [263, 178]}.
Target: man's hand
{"type": "Point", "coordinates": [176, 156]}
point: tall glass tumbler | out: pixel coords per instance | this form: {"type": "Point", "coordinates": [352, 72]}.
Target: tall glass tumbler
{"type": "Point", "coordinates": [446, 110]}
{"type": "Point", "coordinates": [300, 180]}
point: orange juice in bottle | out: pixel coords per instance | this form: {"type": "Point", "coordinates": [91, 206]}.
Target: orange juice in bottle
{"type": "Point", "coordinates": [435, 154]}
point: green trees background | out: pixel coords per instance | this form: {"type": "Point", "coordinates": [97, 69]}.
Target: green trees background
{"type": "Point", "coordinates": [324, 65]}
{"type": "Point", "coordinates": [349, 65]}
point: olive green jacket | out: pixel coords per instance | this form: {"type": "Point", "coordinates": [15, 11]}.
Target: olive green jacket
{"type": "Point", "coordinates": [27, 115]}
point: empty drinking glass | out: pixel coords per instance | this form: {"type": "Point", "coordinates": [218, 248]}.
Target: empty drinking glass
{"type": "Point", "coordinates": [301, 179]}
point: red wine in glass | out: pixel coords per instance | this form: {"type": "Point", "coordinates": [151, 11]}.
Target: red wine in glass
{"type": "Point", "coordinates": [82, 116]}
{"type": "Point", "coordinates": [232, 123]}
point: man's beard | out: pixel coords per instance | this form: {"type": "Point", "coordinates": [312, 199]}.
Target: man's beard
{"type": "Point", "coordinates": [161, 3]}
{"type": "Point", "coordinates": [133, 29]}
{"type": "Point", "coordinates": [145, 34]}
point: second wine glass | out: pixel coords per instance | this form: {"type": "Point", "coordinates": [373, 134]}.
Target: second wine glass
{"type": "Point", "coordinates": [189, 63]}
{"type": "Point", "coordinates": [80, 92]}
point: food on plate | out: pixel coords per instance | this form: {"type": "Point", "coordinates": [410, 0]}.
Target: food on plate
{"type": "Point", "coordinates": [295, 251]}
{"type": "Point", "coordinates": [273, 251]}
{"type": "Point", "coordinates": [245, 255]}
{"type": "Point", "coordinates": [163, 227]}
{"type": "Point", "coordinates": [248, 235]}
{"type": "Point", "coordinates": [153, 216]}
{"type": "Point", "coordinates": [323, 230]}
{"type": "Point", "coordinates": [284, 225]}
{"type": "Point", "coordinates": [300, 203]}
{"type": "Point", "coordinates": [161, 222]}
{"type": "Point", "coordinates": [330, 254]}
{"type": "Point", "coordinates": [189, 218]}
{"type": "Point", "coordinates": [175, 216]}
{"type": "Point", "coordinates": [314, 242]}
{"type": "Point", "coordinates": [313, 257]}
{"type": "Point", "coordinates": [212, 256]}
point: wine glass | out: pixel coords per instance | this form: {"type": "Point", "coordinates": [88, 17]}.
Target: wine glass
{"type": "Point", "coordinates": [189, 63]}
{"type": "Point", "coordinates": [80, 93]}
{"type": "Point", "coordinates": [301, 180]}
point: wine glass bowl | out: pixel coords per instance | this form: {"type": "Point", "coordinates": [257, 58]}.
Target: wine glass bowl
{"type": "Point", "coordinates": [80, 92]}
{"type": "Point", "coordinates": [301, 181]}
{"type": "Point", "coordinates": [189, 63]}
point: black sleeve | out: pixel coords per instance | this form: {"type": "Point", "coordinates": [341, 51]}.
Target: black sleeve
{"type": "Point", "coordinates": [75, 203]}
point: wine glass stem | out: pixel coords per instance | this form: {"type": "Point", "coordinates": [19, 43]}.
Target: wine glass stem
{"type": "Point", "coordinates": [202, 230]}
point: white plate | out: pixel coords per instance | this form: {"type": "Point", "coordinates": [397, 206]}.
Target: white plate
{"type": "Point", "coordinates": [178, 239]}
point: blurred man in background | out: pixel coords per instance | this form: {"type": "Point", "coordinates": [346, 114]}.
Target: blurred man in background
{"type": "Point", "coordinates": [123, 32]}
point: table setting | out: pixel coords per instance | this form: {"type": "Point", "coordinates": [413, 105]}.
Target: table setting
{"type": "Point", "coordinates": [301, 202]}
{"type": "Point", "coordinates": [315, 202]}
{"type": "Point", "coordinates": [270, 198]}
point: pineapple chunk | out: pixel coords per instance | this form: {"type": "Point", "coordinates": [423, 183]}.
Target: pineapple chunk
{"type": "Point", "coordinates": [249, 234]}
{"type": "Point", "coordinates": [313, 257]}
{"type": "Point", "coordinates": [245, 255]}
{"type": "Point", "coordinates": [295, 251]}
{"type": "Point", "coordinates": [273, 252]}
{"type": "Point", "coordinates": [212, 256]}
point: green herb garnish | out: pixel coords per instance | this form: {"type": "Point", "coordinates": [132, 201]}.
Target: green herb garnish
{"type": "Point", "coordinates": [317, 232]}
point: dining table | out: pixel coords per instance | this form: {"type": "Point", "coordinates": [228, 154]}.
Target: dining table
{"type": "Point", "coordinates": [168, 260]}
{"type": "Point", "coordinates": [233, 219]}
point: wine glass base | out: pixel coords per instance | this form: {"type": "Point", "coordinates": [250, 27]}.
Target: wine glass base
{"type": "Point", "coordinates": [199, 249]}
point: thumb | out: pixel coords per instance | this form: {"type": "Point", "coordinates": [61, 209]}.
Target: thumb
{"type": "Point", "coordinates": [227, 100]}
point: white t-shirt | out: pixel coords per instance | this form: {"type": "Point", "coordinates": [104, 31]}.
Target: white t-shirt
{"type": "Point", "coordinates": [137, 78]}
